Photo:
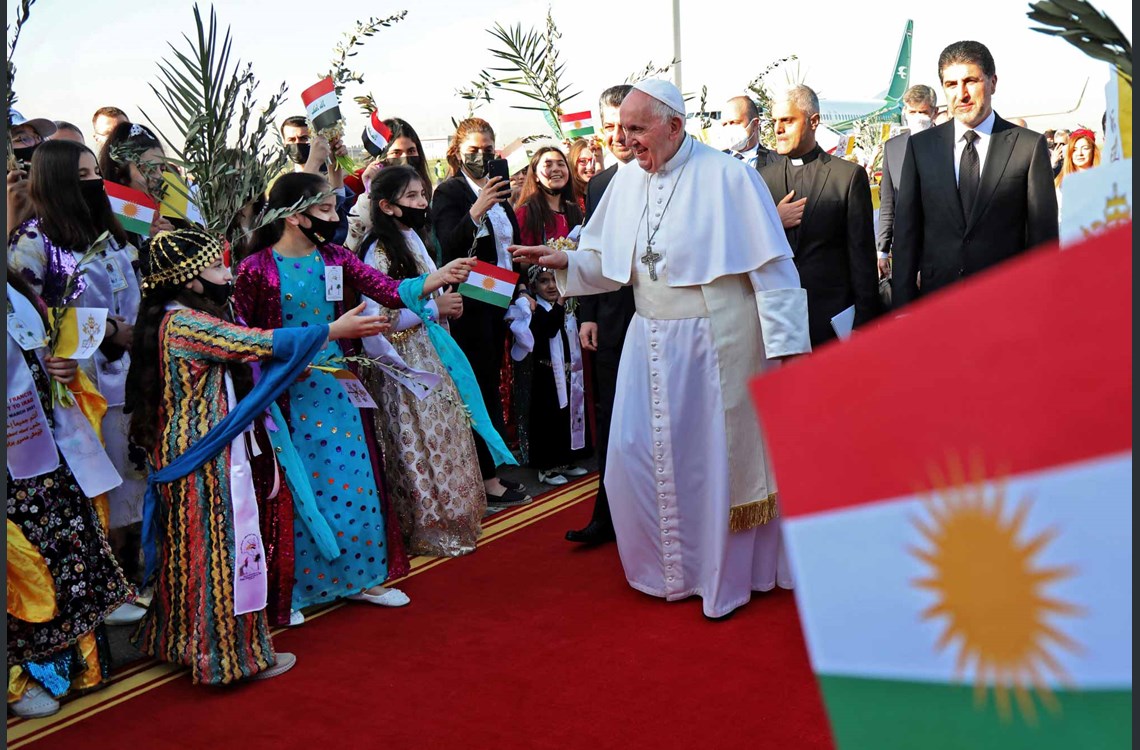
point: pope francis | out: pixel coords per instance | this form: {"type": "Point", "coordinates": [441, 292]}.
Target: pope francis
{"type": "Point", "coordinates": [718, 300]}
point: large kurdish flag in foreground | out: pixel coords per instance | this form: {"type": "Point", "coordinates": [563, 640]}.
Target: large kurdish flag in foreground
{"type": "Point", "coordinates": [956, 487]}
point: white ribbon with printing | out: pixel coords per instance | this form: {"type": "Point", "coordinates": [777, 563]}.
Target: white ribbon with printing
{"type": "Point", "coordinates": [576, 398]}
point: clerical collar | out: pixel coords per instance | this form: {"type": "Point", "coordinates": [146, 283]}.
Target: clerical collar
{"type": "Point", "coordinates": [807, 158]}
{"type": "Point", "coordinates": [679, 158]}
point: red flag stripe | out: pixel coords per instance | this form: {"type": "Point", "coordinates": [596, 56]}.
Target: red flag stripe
{"type": "Point", "coordinates": [576, 116]}
{"type": "Point", "coordinates": [321, 88]}
{"type": "Point", "coordinates": [502, 274]}
{"type": "Point", "coordinates": [124, 193]}
{"type": "Point", "coordinates": [379, 126]}
{"type": "Point", "coordinates": [1026, 367]}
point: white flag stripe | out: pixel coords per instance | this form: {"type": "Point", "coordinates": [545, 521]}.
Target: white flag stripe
{"type": "Point", "coordinates": [317, 106]}
{"type": "Point", "coordinates": [862, 613]}
{"type": "Point", "coordinates": [143, 213]}
{"type": "Point", "coordinates": [500, 286]}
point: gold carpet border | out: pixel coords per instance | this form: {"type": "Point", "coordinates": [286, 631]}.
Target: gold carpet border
{"type": "Point", "coordinates": [141, 679]}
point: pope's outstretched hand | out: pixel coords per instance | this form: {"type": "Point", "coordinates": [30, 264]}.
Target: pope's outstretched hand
{"type": "Point", "coordinates": [540, 255]}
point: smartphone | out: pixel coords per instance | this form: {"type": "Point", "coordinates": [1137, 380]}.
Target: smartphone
{"type": "Point", "coordinates": [498, 168]}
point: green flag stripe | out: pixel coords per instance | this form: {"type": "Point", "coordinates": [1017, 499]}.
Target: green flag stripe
{"type": "Point", "coordinates": [134, 225]}
{"type": "Point", "coordinates": [481, 294]}
{"type": "Point", "coordinates": [884, 714]}
{"type": "Point", "coordinates": [580, 132]}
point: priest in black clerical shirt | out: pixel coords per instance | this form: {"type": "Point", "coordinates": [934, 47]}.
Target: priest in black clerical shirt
{"type": "Point", "coordinates": [834, 243]}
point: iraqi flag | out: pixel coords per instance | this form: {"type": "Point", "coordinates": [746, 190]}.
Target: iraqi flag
{"type": "Point", "coordinates": [490, 284]}
{"type": "Point", "coordinates": [321, 104]}
{"type": "Point", "coordinates": [956, 488]}
{"type": "Point", "coordinates": [376, 135]}
{"type": "Point", "coordinates": [133, 208]}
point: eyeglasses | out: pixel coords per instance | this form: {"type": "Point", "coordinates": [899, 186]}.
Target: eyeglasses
{"type": "Point", "coordinates": [25, 138]}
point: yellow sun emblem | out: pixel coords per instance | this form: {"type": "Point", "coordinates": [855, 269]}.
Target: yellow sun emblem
{"type": "Point", "coordinates": [990, 591]}
{"type": "Point", "coordinates": [488, 283]}
{"type": "Point", "coordinates": [130, 210]}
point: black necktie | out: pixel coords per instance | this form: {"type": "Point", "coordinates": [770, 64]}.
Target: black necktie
{"type": "Point", "coordinates": [969, 174]}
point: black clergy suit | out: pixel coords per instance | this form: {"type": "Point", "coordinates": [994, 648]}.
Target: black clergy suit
{"type": "Point", "coordinates": [834, 245]}
{"type": "Point", "coordinates": [612, 311]}
{"type": "Point", "coordinates": [1015, 208]}
{"type": "Point", "coordinates": [481, 331]}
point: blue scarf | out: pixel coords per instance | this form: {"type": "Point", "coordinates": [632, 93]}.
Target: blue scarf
{"type": "Point", "coordinates": [411, 291]}
{"type": "Point", "coordinates": [293, 350]}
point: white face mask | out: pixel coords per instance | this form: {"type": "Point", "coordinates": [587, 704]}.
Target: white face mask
{"type": "Point", "coordinates": [918, 122]}
{"type": "Point", "coordinates": [731, 137]}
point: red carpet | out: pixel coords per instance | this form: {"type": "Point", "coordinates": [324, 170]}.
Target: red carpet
{"type": "Point", "coordinates": [528, 643]}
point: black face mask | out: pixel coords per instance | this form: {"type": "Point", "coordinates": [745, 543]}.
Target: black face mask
{"type": "Point", "coordinates": [413, 218]}
{"type": "Point", "coordinates": [476, 164]}
{"type": "Point", "coordinates": [219, 294]}
{"type": "Point", "coordinates": [404, 161]}
{"type": "Point", "coordinates": [320, 231]}
{"type": "Point", "coordinates": [298, 152]}
{"type": "Point", "coordinates": [24, 153]}
{"type": "Point", "coordinates": [94, 195]}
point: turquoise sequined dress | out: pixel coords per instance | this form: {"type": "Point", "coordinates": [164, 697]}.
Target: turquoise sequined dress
{"type": "Point", "coordinates": [329, 437]}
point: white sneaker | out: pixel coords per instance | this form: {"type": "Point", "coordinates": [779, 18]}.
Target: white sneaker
{"type": "Point", "coordinates": [296, 618]}
{"type": "Point", "coordinates": [35, 704]}
{"type": "Point", "coordinates": [125, 614]}
{"type": "Point", "coordinates": [390, 598]}
{"type": "Point", "coordinates": [552, 478]}
{"type": "Point", "coordinates": [571, 470]}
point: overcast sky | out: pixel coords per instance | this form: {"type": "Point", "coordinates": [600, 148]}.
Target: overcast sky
{"type": "Point", "coordinates": [78, 55]}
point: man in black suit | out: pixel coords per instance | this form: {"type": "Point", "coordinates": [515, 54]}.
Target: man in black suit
{"type": "Point", "coordinates": [974, 191]}
{"type": "Point", "coordinates": [834, 244]}
{"type": "Point", "coordinates": [920, 105]}
{"type": "Point", "coordinates": [602, 322]}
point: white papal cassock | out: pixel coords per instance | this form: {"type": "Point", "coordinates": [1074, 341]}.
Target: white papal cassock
{"type": "Point", "coordinates": [684, 446]}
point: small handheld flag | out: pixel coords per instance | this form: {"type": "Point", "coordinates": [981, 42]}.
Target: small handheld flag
{"type": "Point", "coordinates": [376, 135]}
{"type": "Point", "coordinates": [134, 208]}
{"type": "Point", "coordinates": [179, 201]}
{"type": "Point", "coordinates": [578, 124]}
{"type": "Point", "coordinates": [321, 104]}
{"type": "Point", "coordinates": [490, 284]}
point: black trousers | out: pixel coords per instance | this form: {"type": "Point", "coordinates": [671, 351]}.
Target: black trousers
{"type": "Point", "coordinates": [481, 334]}
{"type": "Point", "coordinates": [605, 391]}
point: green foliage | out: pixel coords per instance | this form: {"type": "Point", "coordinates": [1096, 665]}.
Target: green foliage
{"type": "Point", "coordinates": [341, 74]}
{"type": "Point", "coordinates": [651, 70]}
{"type": "Point", "coordinates": [1087, 29]}
{"type": "Point", "coordinates": [22, 13]}
{"type": "Point", "coordinates": [230, 152]}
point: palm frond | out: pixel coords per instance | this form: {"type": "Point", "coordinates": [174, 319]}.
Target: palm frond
{"type": "Point", "coordinates": [229, 149]}
{"type": "Point", "coordinates": [762, 95]}
{"type": "Point", "coordinates": [23, 11]}
{"type": "Point", "coordinates": [1086, 28]}
{"type": "Point", "coordinates": [340, 72]}
{"type": "Point", "coordinates": [651, 70]}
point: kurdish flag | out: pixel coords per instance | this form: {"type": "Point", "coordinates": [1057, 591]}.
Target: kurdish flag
{"type": "Point", "coordinates": [321, 104]}
{"type": "Point", "coordinates": [956, 488]}
{"type": "Point", "coordinates": [134, 209]}
{"type": "Point", "coordinates": [578, 124]}
{"type": "Point", "coordinates": [490, 284]}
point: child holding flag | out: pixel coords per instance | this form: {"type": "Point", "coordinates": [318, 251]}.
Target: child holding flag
{"type": "Point", "coordinates": [192, 403]}
{"type": "Point", "coordinates": [297, 278]}
{"type": "Point", "coordinates": [71, 212]}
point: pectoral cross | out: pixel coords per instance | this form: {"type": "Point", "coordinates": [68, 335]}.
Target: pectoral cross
{"type": "Point", "coordinates": [650, 259]}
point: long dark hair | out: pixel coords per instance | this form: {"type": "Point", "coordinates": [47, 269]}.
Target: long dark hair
{"type": "Point", "coordinates": [401, 129]}
{"type": "Point", "coordinates": [385, 231]}
{"type": "Point", "coordinates": [116, 171]}
{"type": "Point", "coordinates": [287, 191]}
{"type": "Point", "coordinates": [539, 218]}
{"type": "Point", "coordinates": [58, 201]}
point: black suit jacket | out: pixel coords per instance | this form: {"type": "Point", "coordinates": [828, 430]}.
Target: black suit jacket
{"type": "Point", "coordinates": [481, 330]}
{"type": "Point", "coordinates": [612, 311]}
{"type": "Point", "coordinates": [894, 150]}
{"type": "Point", "coordinates": [1016, 208]}
{"type": "Point", "coordinates": [835, 250]}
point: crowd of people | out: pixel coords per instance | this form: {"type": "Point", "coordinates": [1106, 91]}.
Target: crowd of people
{"type": "Point", "coordinates": [239, 481]}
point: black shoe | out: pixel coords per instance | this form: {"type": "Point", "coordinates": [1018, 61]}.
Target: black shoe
{"type": "Point", "coordinates": [594, 533]}
{"type": "Point", "coordinates": [518, 487]}
{"type": "Point", "coordinates": [509, 497]}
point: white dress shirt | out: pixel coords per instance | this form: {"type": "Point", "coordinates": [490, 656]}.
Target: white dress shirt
{"type": "Point", "coordinates": [751, 155]}
{"type": "Point", "coordinates": [500, 227]}
{"type": "Point", "coordinates": [985, 130]}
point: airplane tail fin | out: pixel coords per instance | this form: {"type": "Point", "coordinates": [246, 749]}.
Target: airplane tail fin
{"type": "Point", "coordinates": [900, 78]}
